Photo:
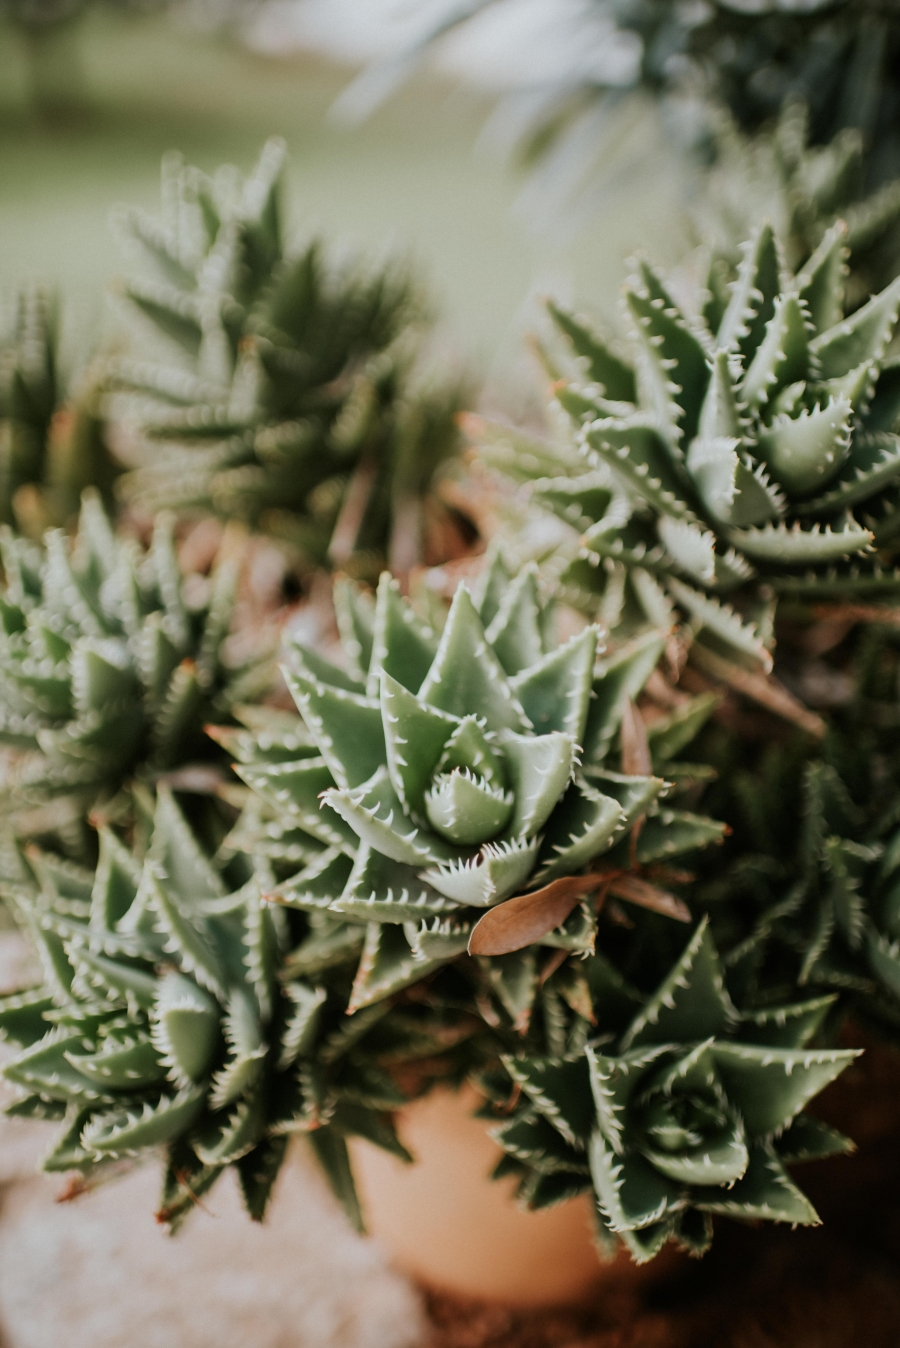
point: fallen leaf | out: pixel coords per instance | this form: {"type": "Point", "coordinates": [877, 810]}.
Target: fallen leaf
{"type": "Point", "coordinates": [635, 890]}
{"type": "Point", "coordinates": [670, 876]}
{"type": "Point", "coordinates": [636, 760]}
{"type": "Point", "coordinates": [616, 913]}
{"type": "Point", "coordinates": [761, 688]}
{"type": "Point", "coordinates": [557, 958]}
{"type": "Point", "coordinates": [199, 778]}
{"type": "Point", "coordinates": [521, 921]}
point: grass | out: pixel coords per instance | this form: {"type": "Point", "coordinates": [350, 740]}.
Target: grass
{"type": "Point", "coordinates": [407, 180]}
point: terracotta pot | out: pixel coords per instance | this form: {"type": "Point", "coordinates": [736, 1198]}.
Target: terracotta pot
{"type": "Point", "coordinates": [454, 1228]}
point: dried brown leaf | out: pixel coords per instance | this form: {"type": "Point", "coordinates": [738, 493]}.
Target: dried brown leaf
{"type": "Point", "coordinates": [521, 921]}
{"type": "Point", "coordinates": [638, 891]}
{"type": "Point", "coordinates": [636, 760]}
{"type": "Point", "coordinates": [761, 688]}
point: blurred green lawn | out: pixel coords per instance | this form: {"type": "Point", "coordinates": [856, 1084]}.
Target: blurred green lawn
{"type": "Point", "coordinates": [408, 179]}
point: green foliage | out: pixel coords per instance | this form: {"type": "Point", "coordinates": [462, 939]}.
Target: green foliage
{"type": "Point", "coordinates": [691, 1109]}
{"type": "Point", "coordinates": [52, 445]}
{"type": "Point", "coordinates": [444, 773]}
{"type": "Point", "coordinates": [460, 852]}
{"type": "Point", "coordinates": [283, 388]}
{"type": "Point", "coordinates": [840, 56]}
{"type": "Point", "coordinates": [110, 664]}
{"type": "Point", "coordinates": [804, 190]}
{"type": "Point", "coordinates": [749, 451]}
{"type": "Point", "coordinates": [817, 906]}
{"type": "Point", "coordinates": [435, 780]}
{"type": "Point", "coordinates": [164, 1022]}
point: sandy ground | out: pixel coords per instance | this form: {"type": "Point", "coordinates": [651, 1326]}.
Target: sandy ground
{"type": "Point", "coordinates": [100, 1274]}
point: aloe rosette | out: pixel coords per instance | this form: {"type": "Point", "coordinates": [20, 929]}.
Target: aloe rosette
{"type": "Point", "coordinates": [442, 775]}
{"type": "Point", "coordinates": [288, 389]}
{"type": "Point", "coordinates": [690, 1110]}
{"type": "Point", "coordinates": [748, 452]}
{"type": "Point", "coordinates": [168, 1021]}
{"type": "Point", "coordinates": [110, 662]}
{"type": "Point", "coordinates": [804, 188]}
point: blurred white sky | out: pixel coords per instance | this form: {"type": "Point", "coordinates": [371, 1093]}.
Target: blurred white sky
{"type": "Point", "coordinates": [514, 43]}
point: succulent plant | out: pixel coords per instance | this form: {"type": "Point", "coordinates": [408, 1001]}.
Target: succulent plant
{"type": "Point", "coordinates": [53, 444]}
{"type": "Point", "coordinates": [444, 774]}
{"type": "Point", "coordinates": [281, 388]}
{"type": "Point", "coordinates": [749, 453]}
{"type": "Point", "coordinates": [804, 189]}
{"type": "Point", "coordinates": [691, 1109]}
{"type": "Point", "coordinates": [167, 1020]}
{"type": "Point", "coordinates": [110, 663]}
{"type": "Point", "coordinates": [818, 907]}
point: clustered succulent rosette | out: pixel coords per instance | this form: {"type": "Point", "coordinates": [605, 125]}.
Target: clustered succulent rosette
{"type": "Point", "coordinates": [442, 775]}
{"type": "Point", "coordinates": [110, 663]}
{"type": "Point", "coordinates": [750, 452]}
{"type": "Point", "coordinates": [53, 441]}
{"type": "Point", "coordinates": [179, 1012]}
{"type": "Point", "coordinates": [804, 189]}
{"type": "Point", "coordinates": [284, 389]}
{"type": "Point", "coordinates": [687, 1110]}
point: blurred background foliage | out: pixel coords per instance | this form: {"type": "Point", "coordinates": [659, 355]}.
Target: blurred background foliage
{"type": "Point", "coordinates": [405, 181]}
{"type": "Point", "coordinates": [579, 72]}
